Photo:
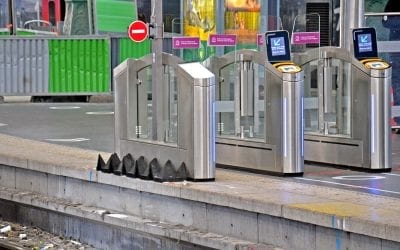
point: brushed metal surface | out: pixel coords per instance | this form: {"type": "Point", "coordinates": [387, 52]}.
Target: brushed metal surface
{"type": "Point", "coordinates": [364, 99]}
{"type": "Point", "coordinates": [274, 102]}
{"type": "Point", "coordinates": [189, 101]}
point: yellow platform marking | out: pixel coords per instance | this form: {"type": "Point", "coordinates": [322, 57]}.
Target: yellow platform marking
{"type": "Point", "coordinates": [342, 209]}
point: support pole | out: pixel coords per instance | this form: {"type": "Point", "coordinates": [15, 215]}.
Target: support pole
{"type": "Point", "coordinates": [12, 17]}
{"type": "Point", "coordinates": [351, 16]}
{"type": "Point", "coordinates": [158, 87]}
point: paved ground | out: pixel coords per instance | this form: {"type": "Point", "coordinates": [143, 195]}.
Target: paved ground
{"type": "Point", "coordinates": [91, 126]}
{"type": "Point", "coordinates": [84, 125]}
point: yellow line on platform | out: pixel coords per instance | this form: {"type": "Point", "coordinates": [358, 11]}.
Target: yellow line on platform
{"type": "Point", "coordinates": [343, 209]}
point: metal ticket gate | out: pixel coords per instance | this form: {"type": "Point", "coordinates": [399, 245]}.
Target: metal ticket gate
{"type": "Point", "coordinates": [258, 113]}
{"type": "Point", "coordinates": [184, 132]}
{"type": "Point", "coordinates": [346, 109]}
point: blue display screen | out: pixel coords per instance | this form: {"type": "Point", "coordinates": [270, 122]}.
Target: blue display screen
{"type": "Point", "coordinates": [277, 43]}
{"type": "Point", "coordinates": [278, 46]}
{"type": "Point", "coordinates": [364, 42]}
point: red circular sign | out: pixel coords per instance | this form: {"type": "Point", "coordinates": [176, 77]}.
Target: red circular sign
{"type": "Point", "coordinates": [138, 31]}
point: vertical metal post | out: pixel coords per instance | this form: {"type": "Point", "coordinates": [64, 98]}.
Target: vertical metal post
{"type": "Point", "coordinates": [157, 71]}
{"type": "Point", "coordinates": [351, 16]}
{"type": "Point", "coordinates": [90, 16]}
{"type": "Point", "coordinates": [12, 17]}
{"type": "Point", "coordinates": [220, 23]}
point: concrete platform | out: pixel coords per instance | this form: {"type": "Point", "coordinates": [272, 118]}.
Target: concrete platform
{"type": "Point", "coordinates": [237, 211]}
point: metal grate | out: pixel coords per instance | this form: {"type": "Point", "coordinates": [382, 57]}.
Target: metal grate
{"type": "Point", "coordinates": [312, 23]}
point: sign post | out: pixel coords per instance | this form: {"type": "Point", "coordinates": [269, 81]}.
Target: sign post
{"type": "Point", "coordinates": [159, 109]}
{"type": "Point", "coordinates": [138, 31]}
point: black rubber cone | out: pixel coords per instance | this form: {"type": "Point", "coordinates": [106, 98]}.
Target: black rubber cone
{"type": "Point", "coordinates": [181, 173]}
{"type": "Point", "coordinates": [156, 170]}
{"type": "Point", "coordinates": [168, 172]}
{"type": "Point", "coordinates": [143, 168]}
{"type": "Point", "coordinates": [118, 169]}
{"type": "Point", "coordinates": [100, 163]}
{"type": "Point", "coordinates": [112, 163]}
{"type": "Point", "coordinates": [129, 167]}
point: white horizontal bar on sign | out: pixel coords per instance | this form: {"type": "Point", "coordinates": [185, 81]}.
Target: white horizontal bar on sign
{"type": "Point", "coordinates": [140, 31]}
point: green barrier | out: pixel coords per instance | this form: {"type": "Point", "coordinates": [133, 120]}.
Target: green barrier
{"type": "Point", "coordinates": [79, 65]}
{"type": "Point", "coordinates": [115, 15]}
{"type": "Point", "coordinates": [19, 33]}
{"type": "Point", "coordinates": [130, 49]}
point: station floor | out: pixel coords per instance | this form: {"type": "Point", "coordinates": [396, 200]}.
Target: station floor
{"type": "Point", "coordinates": [91, 126]}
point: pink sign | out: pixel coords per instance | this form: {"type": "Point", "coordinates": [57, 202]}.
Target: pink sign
{"type": "Point", "coordinates": [306, 38]}
{"type": "Point", "coordinates": [222, 40]}
{"type": "Point", "coordinates": [260, 39]}
{"type": "Point", "coordinates": [185, 42]}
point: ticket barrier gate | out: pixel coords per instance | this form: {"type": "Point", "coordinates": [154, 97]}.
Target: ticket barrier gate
{"type": "Point", "coordinates": [259, 113]}
{"type": "Point", "coordinates": [184, 132]}
{"type": "Point", "coordinates": [347, 109]}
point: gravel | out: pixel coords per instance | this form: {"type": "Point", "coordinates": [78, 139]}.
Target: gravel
{"type": "Point", "coordinates": [15, 236]}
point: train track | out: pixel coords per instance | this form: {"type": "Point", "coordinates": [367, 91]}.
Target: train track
{"type": "Point", "coordinates": [7, 245]}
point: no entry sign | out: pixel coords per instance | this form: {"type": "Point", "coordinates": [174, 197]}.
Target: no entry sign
{"type": "Point", "coordinates": [138, 31]}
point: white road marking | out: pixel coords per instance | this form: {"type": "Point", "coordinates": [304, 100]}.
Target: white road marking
{"type": "Point", "coordinates": [391, 174]}
{"type": "Point", "coordinates": [120, 216]}
{"type": "Point", "coordinates": [100, 113]}
{"type": "Point", "coordinates": [3, 124]}
{"type": "Point", "coordinates": [358, 177]}
{"type": "Point", "coordinates": [349, 185]}
{"type": "Point", "coordinates": [64, 107]}
{"type": "Point", "coordinates": [68, 140]}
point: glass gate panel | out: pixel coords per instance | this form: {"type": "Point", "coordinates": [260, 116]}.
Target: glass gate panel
{"type": "Point", "coordinates": [140, 113]}
{"type": "Point", "coordinates": [141, 105]}
{"type": "Point", "coordinates": [225, 96]}
{"type": "Point", "coordinates": [311, 100]}
{"type": "Point", "coordinates": [171, 105]}
{"type": "Point", "coordinates": [259, 93]}
{"type": "Point", "coordinates": [339, 122]}
{"type": "Point", "coordinates": [240, 97]}
{"type": "Point", "coordinates": [327, 104]}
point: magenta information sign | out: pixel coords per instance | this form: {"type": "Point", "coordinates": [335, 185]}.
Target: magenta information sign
{"type": "Point", "coordinates": [306, 38]}
{"type": "Point", "coordinates": [260, 39]}
{"type": "Point", "coordinates": [185, 42]}
{"type": "Point", "coordinates": [222, 40]}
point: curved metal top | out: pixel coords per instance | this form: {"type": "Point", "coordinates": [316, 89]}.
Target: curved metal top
{"type": "Point", "coordinates": [337, 53]}
{"type": "Point", "coordinates": [146, 61]}
{"type": "Point", "coordinates": [216, 63]}
{"type": "Point", "coordinates": [321, 53]}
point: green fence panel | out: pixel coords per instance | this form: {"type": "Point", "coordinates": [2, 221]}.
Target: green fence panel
{"type": "Point", "coordinates": [79, 65]}
{"type": "Point", "coordinates": [114, 15]}
{"type": "Point", "coordinates": [19, 33]}
{"type": "Point", "coordinates": [130, 49]}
